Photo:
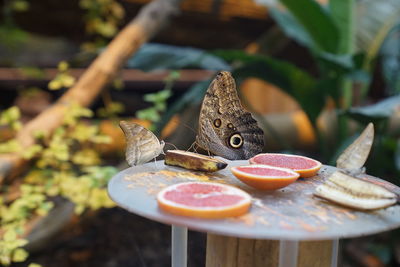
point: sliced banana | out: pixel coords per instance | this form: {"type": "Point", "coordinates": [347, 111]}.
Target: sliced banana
{"type": "Point", "coordinates": [193, 161]}
{"type": "Point", "coordinates": [355, 193]}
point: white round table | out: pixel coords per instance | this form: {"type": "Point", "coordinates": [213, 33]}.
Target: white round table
{"type": "Point", "coordinates": [290, 215]}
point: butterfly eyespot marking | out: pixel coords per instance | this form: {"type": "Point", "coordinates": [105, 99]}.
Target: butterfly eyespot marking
{"type": "Point", "coordinates": [236, 140]}
{"type": "Point", "coordinates": [217, 123]}
{"type": "Point", "coordinates": [230, 126]}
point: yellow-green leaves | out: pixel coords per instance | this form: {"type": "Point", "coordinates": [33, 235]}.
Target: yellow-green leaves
{"type": "Point", "coordinates": [10, 146]}
{"type": "Point", "coordinates": [13, 218]}
{"type": "Point", "coordinates": [86, 157]}
{"type": "Point", "coordinates": [102, 17]}
{"type": "Point", "coordinates": [158, 100]}
{"type": "Point", "coordinates": [10, 248]}
{"type": "Point", "coordinates": [11, 117]}
{"type": "Point", "coordinates": [64, 163]}
{"type": "Point", "coordinates": [63, 79]}
{"type": "Point", "coordinates": [76, 112]}
{"type": "Point", "coordinates": [111, 109]}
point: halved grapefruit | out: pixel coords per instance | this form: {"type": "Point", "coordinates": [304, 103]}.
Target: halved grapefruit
{"type": "Point", "coordinates": [204, 200]}
{"type": "Point", "coordinates": [304, 166]}
{"type": "Point", "coordinates": [265, 177]}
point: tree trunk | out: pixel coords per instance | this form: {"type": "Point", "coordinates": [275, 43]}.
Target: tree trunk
{"type": "Point", "coordinates": [102, 71]}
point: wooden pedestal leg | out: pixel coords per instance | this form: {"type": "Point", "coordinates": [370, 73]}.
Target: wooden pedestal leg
{"type": "Point", "coordinates": [224, 251]}
{"type": "Point", "coordinates": [315, 253]}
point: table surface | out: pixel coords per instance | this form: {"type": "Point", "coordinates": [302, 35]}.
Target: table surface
{"type": "Point", "coordinates": [290, 213]}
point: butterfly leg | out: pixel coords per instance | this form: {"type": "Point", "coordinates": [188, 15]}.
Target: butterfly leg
{"type": "Point", "coordinates": [192, 146]}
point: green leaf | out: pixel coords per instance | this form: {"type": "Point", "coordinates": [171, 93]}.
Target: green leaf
{"type": "Point", "coordinates": [376, 112]}
{"type": "Point", "coordinates": [20, 5]}
{"type": "Point", "coordinates": [150, 114]}
{"type": "Point", "coordinates": [284, 75]}
{"type": "Point", "coordinates": [160, 96]}
{"type": "Point", "coordinates": [10, 235]}
{"type": "Point", "coordinates": [292, 27]}
{"type": "Point", "coordinates": [151, 57]}
{"type": "Point", "coordinates": [32, 151]}
{"type": "Point", "coordinates": [342, 12]}
{"type": "Point", "coordinates": [390, 54]}
{"type": "Point", "coordinates": [317, 22]}
{"type": "Point", "coordinates": [308, 22]}
{"type": "Point", "coordinates": [10, 146]}
{"type": "Point", "coordinates": [192, 96]}
{"type": "Point", "coordinates": [19, 255]}
{"type": "Point", "coordinates": [10, 115]}
{"type": "Point", "coordinates": [375, 19]}
{"type": "Point", "coordinates": [397, 155]}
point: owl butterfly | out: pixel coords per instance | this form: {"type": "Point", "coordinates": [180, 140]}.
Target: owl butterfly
{"type": "Point", "coordinates": [226, 129]}
{"type": "Point", "coordinates": [355, 155]}
{"type": "Point", "coordinates": [141, 144]}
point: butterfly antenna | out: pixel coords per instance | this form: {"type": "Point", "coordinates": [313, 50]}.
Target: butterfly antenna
{"type": "Point", "coordinates": [188, 127]}
{"type": "Point", "coordinates": [167, 143]}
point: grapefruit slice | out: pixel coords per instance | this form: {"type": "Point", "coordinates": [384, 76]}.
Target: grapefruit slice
{"type": "Point", "coordinates": [304, 166]}
{"type": "Point", "coordinates": [265, 177]}
{"type": "Point", "coordinates": [204, 200]}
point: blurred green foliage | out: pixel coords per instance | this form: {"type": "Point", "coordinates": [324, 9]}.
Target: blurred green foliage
{"type": "Point", "coordinates": [65, 164]}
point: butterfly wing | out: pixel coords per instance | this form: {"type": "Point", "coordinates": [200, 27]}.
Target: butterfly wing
{"type": "Point", "coordinates": [354, 156]}
{"type": "Point", "coordinates": [141, 144]}
{"type": "Point", "coordinates": [225, 128]}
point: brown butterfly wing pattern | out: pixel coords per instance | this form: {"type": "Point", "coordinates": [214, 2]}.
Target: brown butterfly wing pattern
{"type": "Point", "coordinates": [142, 145]}
{"type": "Point", "coordinates": [226, 129]}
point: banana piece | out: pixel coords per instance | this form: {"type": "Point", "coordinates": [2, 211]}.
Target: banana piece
{"type": "Point", "coordinates": [355, 193]}
{"type": "Point", "coordinates": [193, 161]}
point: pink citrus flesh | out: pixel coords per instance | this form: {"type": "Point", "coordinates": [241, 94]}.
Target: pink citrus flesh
{"type": "Point", "coordinates": [204, 200]}
{"type": "Point", "coordinates": [306, 167]}
{"type": "Point", "coordinates": [265, 177]}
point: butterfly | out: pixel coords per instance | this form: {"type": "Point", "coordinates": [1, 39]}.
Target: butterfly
{"type": "Point", "coordinates": [355, 155]}
{"type": "Point", "coordinates": [142, 145]}
{"type": "Point", "coordinates": [225, 128]}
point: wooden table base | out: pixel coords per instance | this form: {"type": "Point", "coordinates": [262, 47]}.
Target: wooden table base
{"type": "Point", "coordinates": [225, 251]}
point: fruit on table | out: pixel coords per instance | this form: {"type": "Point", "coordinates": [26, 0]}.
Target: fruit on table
{"type": "Point", "coordinates": [204, 200]}
{"type": "Point", "coordinates": [193, 161]}
{"type": "Point", "coordinates": [265, 177]}
{"type": "Point", "coordinates": [304, 166]}
{"type": "Point", "coordinates": [355, 193]}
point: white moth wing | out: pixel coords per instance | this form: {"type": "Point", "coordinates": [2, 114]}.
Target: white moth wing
{"type": "Point", "coordinates": [141, 144]}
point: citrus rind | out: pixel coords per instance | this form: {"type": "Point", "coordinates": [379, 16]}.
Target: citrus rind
{"type": "Point", "coordinates": [207, 212]}
{"type": "Point", "coordinates": [313, 166]}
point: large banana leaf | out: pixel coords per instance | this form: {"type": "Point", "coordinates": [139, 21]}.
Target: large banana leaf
{"type": "Point", "coordinates": [154, 56]}
{"type": "Point", "coordinates": [296, 82]}
{"type": "Point", "coordinates": [308, 23]}
{"type": "Point", "coordinates": [390, 55]}
{"type": "Point", "coordinates": [374, 21]}
{"type": "Point", "coordinates": [377, 112]}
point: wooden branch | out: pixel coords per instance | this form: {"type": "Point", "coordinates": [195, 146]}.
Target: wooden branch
{"type": "Point", "coordinates": [104, 68]}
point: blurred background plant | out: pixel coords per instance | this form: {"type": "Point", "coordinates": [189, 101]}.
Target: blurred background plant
{"type": "Point", "coordinates": [338, 61]}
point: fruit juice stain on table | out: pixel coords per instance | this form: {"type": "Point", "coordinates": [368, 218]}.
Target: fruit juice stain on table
{"type": "Point", "coordinates": [290, 213]}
